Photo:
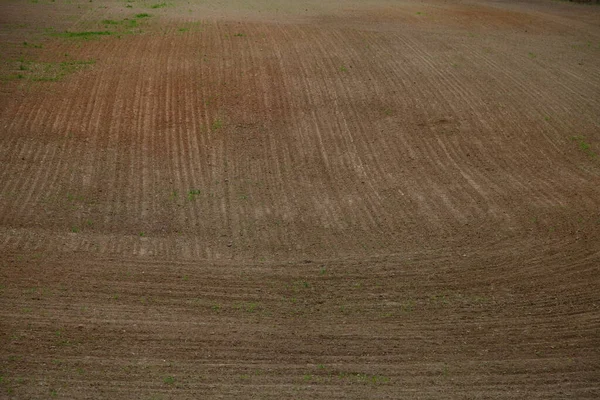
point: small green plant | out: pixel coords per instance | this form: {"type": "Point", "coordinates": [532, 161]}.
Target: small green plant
{"type": "Point", "coordinates": [445, 370]}
{"type": "Point", "coordinates": [343, 69]}
{"type": "Point", "coordinates": [584, 146]}
{"type": "Point", "coordinates": [142, 15]}
{"type": "Point", "coordinates": [217, 124]}
{"type": "Point", "coordinates": [74, 229]}
{"type": "Point", "coordinates": [440, 299]}
{"type": "Point", "coordinates": [407, 306]}
{"type": "Point", "coordinates": [158, 5]}
{"type": "Point", "coordinates": [193, 193]}
{"type": "Point", "coordinates": [130, 23]}
{"type": "Point", "coordinates": [216, 307]}
{"type": "Point", "coordinates": [35, 46]}
{"type": "Point", "coordinates": [110, 22]}
{"type": "Point", "coordinates": [169, 380]}
{"type": "Point", "coordinates": [240, 35]}
{"type": "Point", "coordinates": [142, 234]}
{"type": "Point", "coordinates": [532, 55]}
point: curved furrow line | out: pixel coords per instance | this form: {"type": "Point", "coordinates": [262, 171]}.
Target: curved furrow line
{"type": "Point", "coordinates": [578, 96]}
{"type": "Point", "coordinates": [243, 175]}
{"type": "Point", "coordinates": [471, 96]}
{"type": "Point", "coordinates": [330, 137]}
{"type": "Point", "coordinates": [145, 196]}
{"type": "Point", "coordinates": [26, 188]}
{"type": "Point", "coordinates": [430, 146]}
{"type": "Point", "coordinates": [253, 131]}
{"type": "Point", "coordinates": [189, 131]}
{"type": "Point", "coordinates": [178, 153]}
{"type": "Point", "coordinates": [200, 159]}
{"type": "Point", "coordinates": [22, 113]}
{"type": "Point", "coordinates": [524, 86]}
{"type": "Point", "coordinates": [149, 185]}
{"type": "Point", "coordinates": [119, 174]}
{"type": "Point", "coordinates": [295, 96]}
{"type": "Point", "coordinates": [266, 81]}
{"type": "Point", "coordinates": [88, 130]}
{"type": "Point", "coordinates": [304, 128]}
{"type": "Point", "coordinates": [356, 139]}
{"type": "Point", "coordinates": [279, 94]}
{"type": "Point", "coordinates": [196, 136]}
{"type": "Point", "coordinates": [396, 145]}
{"type": "Point", "coordinates": [99, 117]}
{"type": "Point", "coordinates": [365, 86]}
{"type": "Point", "coordinates": [45, 139]}
{"type": "Point", "coordinates": [25, 149]}
{"type": "Point", "coordinates": [442, 167]}
{"type": "Point", "coordinates": [520, 155]}
{"type": "Point", "coordinates": [222, 145]}
{"type": "Point", "coordinates": [209, 99]}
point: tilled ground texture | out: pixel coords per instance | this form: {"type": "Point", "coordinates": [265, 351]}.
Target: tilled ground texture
{"type": "Point", "coordinates": [283, 199]}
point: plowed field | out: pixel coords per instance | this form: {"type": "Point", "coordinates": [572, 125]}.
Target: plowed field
{"type": "Point", "coordinates": [281, 199]}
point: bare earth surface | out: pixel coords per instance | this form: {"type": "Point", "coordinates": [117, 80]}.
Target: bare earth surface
{"type": "Point", "coordinates": [280, 199]}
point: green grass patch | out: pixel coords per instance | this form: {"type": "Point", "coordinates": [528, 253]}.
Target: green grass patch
{"type": "Point", "coordinates": [46, 71]}
{"type": "Point", "coordinates": [142, 15]}
{"type": "Point", "coordinates": [84, 35]}
{"type": "Point", "coordinates": [158, 5]}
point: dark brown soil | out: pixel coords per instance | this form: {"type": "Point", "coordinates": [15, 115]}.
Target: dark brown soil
{"type": "Point", "coordinates": [279, 199]}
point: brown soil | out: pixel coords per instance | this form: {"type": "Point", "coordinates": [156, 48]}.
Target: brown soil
{"type": "Point", "coordinates": [280, 199]}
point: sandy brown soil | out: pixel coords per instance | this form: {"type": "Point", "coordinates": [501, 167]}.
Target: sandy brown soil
{"type": "Point", "coordinates": [281, 199]}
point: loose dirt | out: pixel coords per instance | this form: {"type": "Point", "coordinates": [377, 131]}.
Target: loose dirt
{"type": "Point", "coordinates": [279, 199]}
